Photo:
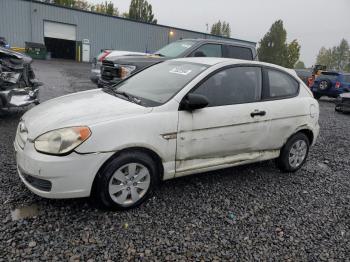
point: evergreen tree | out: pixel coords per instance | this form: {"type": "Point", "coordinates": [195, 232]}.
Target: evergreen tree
{"type": "Point", "coordinates": [273, 47]}
{"type": "Point", "coordinates": [141, 10]}
{"type": "Point", "coordinates": [221, 29]}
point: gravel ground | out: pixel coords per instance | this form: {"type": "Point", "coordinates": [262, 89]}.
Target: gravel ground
{"type": "Point", "coordinates": [251, 212]}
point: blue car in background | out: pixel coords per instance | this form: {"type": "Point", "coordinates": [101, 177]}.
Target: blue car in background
{"type": "Point", "coordinates": [331, 84]}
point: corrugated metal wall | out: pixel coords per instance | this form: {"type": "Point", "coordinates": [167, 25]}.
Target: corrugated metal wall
{"type": "Point", "coordinates": [22, 21]}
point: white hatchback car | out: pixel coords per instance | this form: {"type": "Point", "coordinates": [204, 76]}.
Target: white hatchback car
{"type": "Point", "coordinates": [172, 119]}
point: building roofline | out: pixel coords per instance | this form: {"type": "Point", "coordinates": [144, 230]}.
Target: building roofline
{"type": "Point", "coordinates": [135, 21]}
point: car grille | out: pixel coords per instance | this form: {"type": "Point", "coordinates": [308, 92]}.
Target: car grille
{"type": "Point", "coordinates": [108, 70]}
{"type": "Point", "coordinates": [38, 183]}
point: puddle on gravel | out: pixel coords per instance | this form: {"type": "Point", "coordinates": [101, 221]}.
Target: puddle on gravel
{"type": "Point", "coordinates": [24, 212]}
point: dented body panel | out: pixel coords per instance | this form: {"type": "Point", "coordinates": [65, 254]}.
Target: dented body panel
{"type": "Point", "coordinates": [18, 86]}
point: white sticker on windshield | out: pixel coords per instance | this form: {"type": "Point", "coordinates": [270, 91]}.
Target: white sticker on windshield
{"type": "Point", "coordinates": [186, 46]}
{"type": "Point", "coordinates": [180, 71]}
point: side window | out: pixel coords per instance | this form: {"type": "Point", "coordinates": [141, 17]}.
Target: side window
{"type": "Point", "coordinates": [208, 50]}
{"type": "Point", "coordinates": [235, 85]}
{"type": "Point", "coordinates": [239, 52]}
{"type": "Point", "coordinates": [281, 84]}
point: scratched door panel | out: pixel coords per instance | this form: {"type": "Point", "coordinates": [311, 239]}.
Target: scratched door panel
{"type": "Point", "coordinates": [219, 132]}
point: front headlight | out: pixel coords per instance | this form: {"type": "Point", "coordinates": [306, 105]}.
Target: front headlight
{"type": "Point", "coordinates": [61, 141]}
{"type": "Point", "coordinates": [126, 70]}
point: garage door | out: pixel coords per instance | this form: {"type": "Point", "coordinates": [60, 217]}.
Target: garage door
{"type": "Point", "coordinates": [60, 31]}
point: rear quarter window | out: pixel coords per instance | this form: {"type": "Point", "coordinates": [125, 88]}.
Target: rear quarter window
{"type": "Point", "coordinates": [239, 52]}
{"type": "Point", "coordinates": [281, 84]}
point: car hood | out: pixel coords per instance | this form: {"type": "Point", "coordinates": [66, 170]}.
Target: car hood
{"type": "Point", "coordinates": [83, 108]}
{"type": "Point", "coordinates": [115, 54]}
{"type": "Point", "coordinates": [137, 60]}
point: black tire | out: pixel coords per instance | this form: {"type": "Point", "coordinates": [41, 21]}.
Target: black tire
{"type": "Point", "coordinates": [101, 192]}
{"type": "Point", "coordinates": [317, 96]}
{"type": "Point", "coordinates": [324, 84]}
{"type": "Point", "coordinates": [283, 160]}
{"type": "Point", "coordinates": [338, 109]}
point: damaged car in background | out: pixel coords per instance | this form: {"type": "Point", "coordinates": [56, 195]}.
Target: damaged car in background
{"type": "Point", "coordinates": [18, 86]}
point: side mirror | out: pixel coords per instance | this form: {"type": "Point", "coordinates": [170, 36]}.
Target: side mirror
{"type": "Point", "coordinates": [193, 101]}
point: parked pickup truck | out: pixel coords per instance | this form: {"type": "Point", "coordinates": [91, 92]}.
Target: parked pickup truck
{"type": "Point", "coordinates": [115, 70]}
{"type": "Point", "coordinates": [112, 54]}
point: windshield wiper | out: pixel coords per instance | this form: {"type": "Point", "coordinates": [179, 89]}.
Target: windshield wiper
{"type": "Point", "coordinates": [159, 54]}
{"type": "Point", "coordinates": [129, 97]}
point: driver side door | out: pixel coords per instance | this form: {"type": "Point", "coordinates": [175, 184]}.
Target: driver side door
{"type": "Point", "coordinates": [230, 129]}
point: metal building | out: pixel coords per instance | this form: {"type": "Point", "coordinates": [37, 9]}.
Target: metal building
{"type": "Point", "coordinates": [76, 34]}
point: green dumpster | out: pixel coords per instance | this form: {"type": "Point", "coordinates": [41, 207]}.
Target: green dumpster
{"type": "Point", "coordinates": [36, 50]}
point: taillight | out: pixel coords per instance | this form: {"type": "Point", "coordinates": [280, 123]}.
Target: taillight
{"type": "Point", "coordinates": [105, 53]}
{"type": "Point", "coordinates": [337, 84]}
{"type": "Point", "coordinates": [310, 81]}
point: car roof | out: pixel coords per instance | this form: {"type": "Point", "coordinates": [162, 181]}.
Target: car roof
{"type": "Point", "coordinates": [210, 61]}
{"type": "Point", "coordinates": [228, 42]}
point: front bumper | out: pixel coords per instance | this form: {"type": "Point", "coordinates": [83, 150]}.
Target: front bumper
{"type": "Point", "coordinates": [19, 97]}
{"type": "Point", "coordinates": [95, 75]}
{"type": "Point", "coordinates": [58, 177]}
{"type": "Point", "coordinates": [343, 105]}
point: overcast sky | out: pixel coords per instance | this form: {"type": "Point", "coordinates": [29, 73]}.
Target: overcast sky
{"type": "Point", "coordinates": [314, 23]}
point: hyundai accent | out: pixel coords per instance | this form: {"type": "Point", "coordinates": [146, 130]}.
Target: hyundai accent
{"type": "Point", "coordinates": [176, 118]}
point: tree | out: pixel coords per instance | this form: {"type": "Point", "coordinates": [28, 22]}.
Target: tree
{"type": "Point", "coordinates": [221, 29]}
{"type": "Point", "coordinates": [69, 3]}
{"type": "Point", "coordinates": [299, 65]}
{"type": "Point", "coordinates": [273, 47]}
{"type": "Point", "coordinates": [105, 8]}
{"type": "Point", "coordinates": [293, 53]}
{"type": "Point", "coordinates": [335, 58]}
{"type": "Point", "coordinates": [347, 68]}
{"type": "Point", "coordinates": [324, 57]}
{"type": "Point", "coordinates": [82, 4]}
{"type": "Point", "coordinates": [342, 55]}
{"type": "Point", "coordinates": [141, 10]}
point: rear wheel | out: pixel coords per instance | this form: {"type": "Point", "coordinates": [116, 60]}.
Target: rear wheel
{"type": "Point", "coordinates": [324, 85]}
{"type": "Point", "coordinates": [127, 181]}
{"type": "Point", "coordinates": [294, 153]}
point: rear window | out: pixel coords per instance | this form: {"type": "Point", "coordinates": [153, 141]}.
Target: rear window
{"type": "Point", "coordinates": [239, 52]}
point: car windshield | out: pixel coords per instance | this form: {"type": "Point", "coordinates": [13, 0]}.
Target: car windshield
{"type": "Point", "coordinates": [157, 84]}
{"type": "Point", "coordinates": [175, 49]}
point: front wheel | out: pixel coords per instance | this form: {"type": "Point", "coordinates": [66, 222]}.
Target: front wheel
{"type": "Point", "coordinates": [317, 96]}
{"type": "Point", "coordinates": [294, 153]}
{"type": "Point", "coordinates": [338, 109]}
{"type": "Point", "coordinates": [126, 181]}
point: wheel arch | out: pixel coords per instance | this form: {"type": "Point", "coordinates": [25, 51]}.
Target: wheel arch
{"type": "Point", "coordinates": [304, 130]}
{"type": "Point", "coordinates": [309, 134]}
{"type": "Point", "coordinates": [157, 159]}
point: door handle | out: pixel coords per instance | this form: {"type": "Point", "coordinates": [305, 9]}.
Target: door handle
{"type": "Point", "coordinates": [257, 113]}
